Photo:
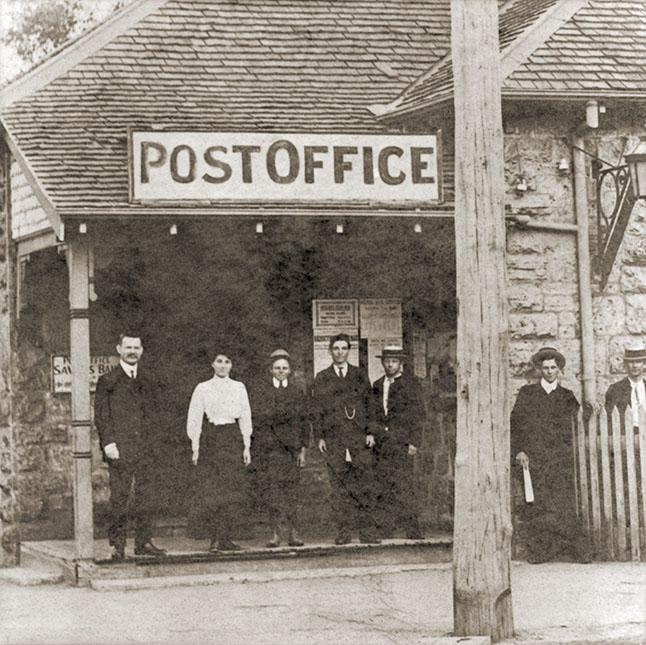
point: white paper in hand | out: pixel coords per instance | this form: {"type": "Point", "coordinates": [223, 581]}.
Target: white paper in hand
{"type": "Point", "coordinates": [529, 489]}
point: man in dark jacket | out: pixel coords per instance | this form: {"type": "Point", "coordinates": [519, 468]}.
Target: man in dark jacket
{"type": "Point", "coordinates": [122, 410]}
{"type": "Point", "coordinates": [631, 390]}
{"type": "Point", "coordinates": [397, 416]}
{"type": "Point", "coordinates": [541, 440]}
{"type": "Point", "coordinates": [280, 438]}
{"type": "Point", "coordinates": [340, 398]}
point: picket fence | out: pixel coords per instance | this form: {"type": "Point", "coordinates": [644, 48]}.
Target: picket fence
{"type": "Point", "coordinates": [610, 467]}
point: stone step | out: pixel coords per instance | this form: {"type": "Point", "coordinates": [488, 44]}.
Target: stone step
{"type": "Point", "coordinates": [183, 566]}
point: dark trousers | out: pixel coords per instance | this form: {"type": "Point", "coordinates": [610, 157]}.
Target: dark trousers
{"type": "Point", "coordinates": [352, 496]}
{"type": "Point", "coordinates": [278, 485]}
{"type": "Point", "coordinates": [125, 475]}
{"type": "Point", "coordinates": [396, 504]}
{"type": "Point", "coordinates": [222, 481]}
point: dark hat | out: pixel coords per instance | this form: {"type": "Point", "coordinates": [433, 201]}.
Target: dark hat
{"type": "Point", "coordinates": [635, 353]}
{"type": "Point", "coordinates": [546, 354]}
{"type": "Point", "coordinates": [392, 351]}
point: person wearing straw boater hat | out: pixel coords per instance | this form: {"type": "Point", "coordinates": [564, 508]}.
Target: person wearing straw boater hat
{"type": "Point", "coordinates": [541, 441]}
{"type": "Point", "coordinates": [340, 398]}
{"type": "Point", "coordinates": [280, 436]}
{"type": "Point", "coordinates": [631, 390]}
{"type": "Point", "coordinates": [397, 416]}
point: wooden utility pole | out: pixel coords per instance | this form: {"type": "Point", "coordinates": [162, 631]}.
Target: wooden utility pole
{"type": "Point", "coordinates": [482, 530]}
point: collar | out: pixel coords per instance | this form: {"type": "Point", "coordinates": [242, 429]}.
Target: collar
{"type": "Point", "coordinates": [549, 387]}
{"type": "Point", "coordinates": [278, 383]}
{"type": "Point", "coordinates": [391, 379]}
{"type": "Point", "coordinates": [128, 369]}
{"type": "Point", "coordinates": [343, 366]}
{"type": "Point", "coordinates": [635, 383]}
{"type": "Point", "coordinates": [220, 379]}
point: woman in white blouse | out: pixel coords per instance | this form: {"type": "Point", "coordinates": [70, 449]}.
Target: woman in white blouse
{"type": "Point", "coordinates": [219, 427]}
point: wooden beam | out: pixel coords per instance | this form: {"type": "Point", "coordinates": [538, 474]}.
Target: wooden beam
{"type": "Point", "coordinates": [78, 263]}
{"type": "Point", "coordinates": [482, 524]}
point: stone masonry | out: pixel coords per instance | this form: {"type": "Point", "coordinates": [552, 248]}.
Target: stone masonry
{"type": "Point", "coordinates": [9, 552]}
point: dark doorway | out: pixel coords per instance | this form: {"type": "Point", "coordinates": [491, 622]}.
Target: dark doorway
{"type": "Point", "coordinates": [222, 282]}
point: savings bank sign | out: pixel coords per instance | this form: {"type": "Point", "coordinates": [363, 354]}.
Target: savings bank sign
{"type": "Point", "coordinates": [257, 167]}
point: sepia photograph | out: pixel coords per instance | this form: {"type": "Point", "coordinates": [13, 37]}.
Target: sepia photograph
{"type": "Point", "coordinates": [323, 322]}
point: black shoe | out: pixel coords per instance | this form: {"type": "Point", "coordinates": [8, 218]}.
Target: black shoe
{"type": "Point", "coordinates": [273, 544]}
{"type": "Point", "coordinates": [369, 538]}
{"type": "Point", "coordinates": [228, 545]}
{"type": "Point", "coordinates": [342, 538]}
{"type": "Point", "coordinates": [294, 540]}
{"type": "Point", "coordinates": [414, 535]}
{"type": "Point", "coordinates": [149, 549]}
{"type": "Point", "coordinates": [538, 559]}
{"type": "Point", "coordinates": [118, 554]}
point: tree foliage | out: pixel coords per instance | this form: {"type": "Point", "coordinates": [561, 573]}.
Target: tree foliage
{"type": "Point", "coordinates": [41, 26]}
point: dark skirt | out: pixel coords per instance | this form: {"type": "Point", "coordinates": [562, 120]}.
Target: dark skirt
{"type": "Point", "coordinates": [221, 471]}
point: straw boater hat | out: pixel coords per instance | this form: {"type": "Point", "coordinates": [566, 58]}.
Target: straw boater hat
{"type": "Point", "coordinates": [546, 354]}
{"type": "Point", "coordinates": [392, 351]}
{"type": "Point", "coordinates": [279, 353]}
{"type": "Point", "coordinates": [635, 352]}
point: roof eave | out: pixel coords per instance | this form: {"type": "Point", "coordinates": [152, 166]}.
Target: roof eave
{"type": "Point", "coordinates": [46, 203]}
{"type": "Point", "coordinates": [72, 54]}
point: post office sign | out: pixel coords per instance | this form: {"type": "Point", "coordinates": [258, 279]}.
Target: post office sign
{"type": "Point", "coordinates": [260, 167]}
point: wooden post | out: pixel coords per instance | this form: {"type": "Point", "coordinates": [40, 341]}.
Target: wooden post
{"type": "Point", "coordinates": [482, 528]}
{"type": "Point", "coordinates": [77, 257]}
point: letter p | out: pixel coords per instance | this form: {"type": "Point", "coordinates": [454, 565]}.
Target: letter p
{"type": "Point", "coordinates": [147, 163]}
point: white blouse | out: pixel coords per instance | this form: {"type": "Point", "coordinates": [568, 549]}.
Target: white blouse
{"type": "Point", "coordinates": [224, 401]}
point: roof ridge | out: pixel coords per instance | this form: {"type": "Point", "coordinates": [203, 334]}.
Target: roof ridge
{"type": "Point", "coordinates": [512, 56]}
{"type": "Point", "coordinates": [76, 51]}
{"type": "Point", "coordinates": [537, 34]}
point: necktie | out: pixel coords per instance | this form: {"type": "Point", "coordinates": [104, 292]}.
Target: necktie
{"type": "Point", "coordinates": [340, 372]}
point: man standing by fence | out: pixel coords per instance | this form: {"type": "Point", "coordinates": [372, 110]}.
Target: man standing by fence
{"type": "Point", "coordinates": [631, 390]}
{"type": "Point", "coordinates": [541, 440]}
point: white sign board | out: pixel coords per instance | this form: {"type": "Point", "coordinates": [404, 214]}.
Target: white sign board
{"type": "Point", "coordinates": [381, 324]}
{"type": "Point", "coordinates": [331, 317]}
{"type": "Point", "coordinates": [261, 167]}
{"type": "Point", "coordinates": [61, 375]}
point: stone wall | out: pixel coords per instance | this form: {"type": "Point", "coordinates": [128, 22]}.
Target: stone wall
{"type": "Point", "coordinates": [542, 265]}
{"type": "Point", "coordinates": [9, 551]}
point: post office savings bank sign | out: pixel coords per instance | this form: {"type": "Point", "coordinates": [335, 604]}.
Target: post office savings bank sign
{"type": "Point", "coordinates": [244, 166]}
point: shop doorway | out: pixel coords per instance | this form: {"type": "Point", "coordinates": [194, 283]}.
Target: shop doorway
{"type": "Point", "coordinates": [226, 284]}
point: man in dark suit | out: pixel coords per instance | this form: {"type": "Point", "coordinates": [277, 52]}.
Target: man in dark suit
{"type": "Point", "coordinates": [397, 416]}
{"type": "Point", "coordinates": [122, 415]}
{"type": "Point", "coordinates": [340, 397]}
{"type": "Point", "coordinates": [280, 438]}
{"type": "Point", "coordinates": [631, 390]}
{"type": "Point", "coordinates": [541, 440]}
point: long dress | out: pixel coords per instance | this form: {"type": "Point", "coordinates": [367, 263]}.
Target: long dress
{"type": "Point", "coordinates": [541, 427]}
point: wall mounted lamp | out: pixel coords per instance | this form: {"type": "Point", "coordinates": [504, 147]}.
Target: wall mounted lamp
{"type": "Point", "coordinates": [563, 166]}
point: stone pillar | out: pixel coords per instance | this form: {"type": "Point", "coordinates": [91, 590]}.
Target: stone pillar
{"type": "Point", "coordinates": [78, 264]}
{"type": "Point", "coordinates": [9, 540]}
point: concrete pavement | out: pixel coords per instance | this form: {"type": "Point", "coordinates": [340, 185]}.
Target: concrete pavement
{"type": "Point", "coordinates": [553, 603]}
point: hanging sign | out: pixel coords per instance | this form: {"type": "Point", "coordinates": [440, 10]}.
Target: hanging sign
{"type": "Point", "coordinates": [61, 372]}
{"type": "Point", "coordinates": [261, 167]}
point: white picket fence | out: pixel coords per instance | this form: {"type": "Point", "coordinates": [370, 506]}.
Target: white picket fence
{"type": "Point", "coordinates": [610, 464]}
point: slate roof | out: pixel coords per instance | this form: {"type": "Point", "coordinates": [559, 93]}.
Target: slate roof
{"type": "Point", "coordinates": [281, 65]}
{"type": "Point", "coordinates": [600, 50]}
{"type": "Point", "coordinates": [223, 64]}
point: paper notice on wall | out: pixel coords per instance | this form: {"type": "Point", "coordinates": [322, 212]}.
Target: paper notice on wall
{"type": "Point", "coordinates": [331, 317]}
{"type": "Point", "coordinates": [61, 374]}
{"type": "Point", "coordinates": [381, 324]}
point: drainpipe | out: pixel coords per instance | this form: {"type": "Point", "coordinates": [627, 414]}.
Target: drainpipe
{"type": "Point", "coordinates": [584, 269]}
